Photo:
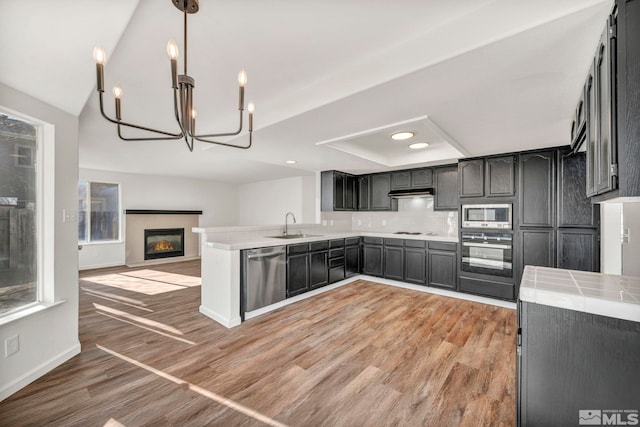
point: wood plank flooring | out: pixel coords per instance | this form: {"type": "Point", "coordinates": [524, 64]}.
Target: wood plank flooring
{"type": "Point", "coordinates": [364, 354]}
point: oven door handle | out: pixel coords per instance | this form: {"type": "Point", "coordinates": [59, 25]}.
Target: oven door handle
{"type": "Point", "coordinates": [486, 245]}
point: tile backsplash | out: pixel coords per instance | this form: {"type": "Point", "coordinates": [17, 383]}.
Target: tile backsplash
{"type": "Point", "coordinates": [413, 215]}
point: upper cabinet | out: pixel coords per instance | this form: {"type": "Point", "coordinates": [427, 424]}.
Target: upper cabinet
{"type": "Point", "coordinates": [364, 192]}
{"type": "Point", "coordinates": [446, 188]}
{"type": "Point", "coordinates": [339, 191]}
{"type": "Point", "coordinates": [537, 184]}
{"type": "Point", "coordinates": [574, 209]}
{"type": "Point", "coordinates": [401, 180]}
{"type": "Point", "coordinates": [611, 102]}
{"type": "Point", "coordinates": [410, 179]}
{"type": "Point", "coordinates": [491, 177]}
{"type": "Point", "coordinates": [380, 187]}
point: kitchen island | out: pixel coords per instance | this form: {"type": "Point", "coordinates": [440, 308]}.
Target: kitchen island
{"type": "Point", "coordinates": [578, 348]}
{"type": "Point", "coordinates": [221, 262]}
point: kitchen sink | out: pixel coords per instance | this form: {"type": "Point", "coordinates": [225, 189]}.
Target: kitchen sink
{"type": "Point", "coordinates": [295, 236]}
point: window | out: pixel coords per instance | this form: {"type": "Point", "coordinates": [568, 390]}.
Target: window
{"type": "Point", "coordinates": [98, 212]}
{"type": "Point", "coordinates": [19, 195]}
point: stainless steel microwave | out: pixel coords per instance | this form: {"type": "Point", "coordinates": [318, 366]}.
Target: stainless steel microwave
{"type": "Point", "coordinates": [496, 216]}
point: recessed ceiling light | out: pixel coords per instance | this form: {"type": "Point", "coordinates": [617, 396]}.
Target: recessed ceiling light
{"type": "Point", "coordinates": [418, 145]}
{"type": "Point", "coordinates": [399, 136]}
{"type": "Point", "coordinates": [290, 162]}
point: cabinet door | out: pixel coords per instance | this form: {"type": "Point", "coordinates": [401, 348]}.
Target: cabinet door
{"type": "Point", "coordinates": [393, 262]}
{"type": "Point", "coordinates": [603, 177]}
{"type": "Point", "coordinates": [471, 174]}
{"type": "Point", "coordinates": [400, 180]}
{"type": "Point", "coordinates": [415, 269]}
{"type": "Point", "coordinates": [500, 178]}
{"type": "Point", "coordinates": [380, 187]}
{"type": "Point", "coordinates": [372, 260]}
{"type": "Point", "coordinates": [351, 260]}
{"type": "Point", "coordinates": [574, 208]}
{"type": "Point", "coordinates": [442, 269]}
{"type": "Point", "coordinates": [592, 147]}
{"type": "Point", "coordinates": [578, 249]}
{"type": "Point", "coordinates": [339, 191]}
{"type": "Point", "coordinates": [446, 189]}
{"type": "Point", "coordinates": [422, 178]}
{"type": "Point", "coordinates": [351, 193]}
{"type": "Point", "coordinates": [364, 192]}
{"type": "Point", "coordinates": [537, 247]}
{"type": "Point", "coordinates": [537, 183]}
{"type": "Point", "coordinates": [297, 274]}
{"type": "Point", "coordinates": [318, 269]}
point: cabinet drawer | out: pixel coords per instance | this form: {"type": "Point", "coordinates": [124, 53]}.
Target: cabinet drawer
{"type": "Point", "coordinates": [336, 243]}
{"type": "Point", "coordinates": [372, 240]}
{"type": "Point", "coordinates": [336, 262]}
{"type": "Point", "coordinates": [415, 243]}
{"type": "Point", "coordinates": [443, 246]}
{"type": "Point", "coordinates": [352, 241]}
{"type": "Point", "coordinates": [336, 253]}
{"type": "Point", "coordinates": [393, 242]}
{"type": "Point", "coordinates": [299, 248]}
{"type": "Point", "coordinates": [336, 274]}
{"type": "Point", "coordinates": [487, 288]}
{"type": "Point", "coordinates": [319, 246]}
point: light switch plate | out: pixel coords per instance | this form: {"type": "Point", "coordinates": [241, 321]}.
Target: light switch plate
{"type": "Point", "coordinates": [11, 345]}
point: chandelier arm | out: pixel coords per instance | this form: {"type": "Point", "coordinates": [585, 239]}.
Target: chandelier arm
{"type": "Point", "coordinates": [242, 147]}
{"type": "Point", "coordinates": [154, 138]}
{"type": "Point", "coordinates": [215, 135]}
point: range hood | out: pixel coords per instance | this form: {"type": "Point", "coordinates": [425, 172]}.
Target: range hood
{"type": "Point", "coordinates": [412, 193]}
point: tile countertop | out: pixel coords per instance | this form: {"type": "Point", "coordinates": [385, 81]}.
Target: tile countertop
{"type": "Point", "coordinates": [231, 242]}
{"type": "Point", "coordinates": [596, 293]}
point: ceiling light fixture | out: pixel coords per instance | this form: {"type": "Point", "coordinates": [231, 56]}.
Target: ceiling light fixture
{"type": "Point", "coordinates": [291, 162]}
{"type": "Point", "coordinates": [399, 136]}
{"type": "Point", "coordinates": [418, 145]}
{"type": "Point", "coordinates": [182, 85]}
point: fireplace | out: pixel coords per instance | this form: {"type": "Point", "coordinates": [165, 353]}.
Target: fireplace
{"type": "Point", "coordinates": [163, 243]}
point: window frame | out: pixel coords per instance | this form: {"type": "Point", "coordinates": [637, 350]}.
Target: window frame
{"type": "Point", "coordinates": [88, 242]}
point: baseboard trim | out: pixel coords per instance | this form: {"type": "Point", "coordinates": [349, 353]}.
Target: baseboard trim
{"type": "Point", "coordinates": [224, 321]}
{"type": "Point", "coordinates": [163, 261]}
{"type": "Point", "coordinates": [38, 371]}
{"type": "Point", "coordinates": [105, 265]}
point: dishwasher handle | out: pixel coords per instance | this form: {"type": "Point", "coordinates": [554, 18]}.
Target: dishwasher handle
{"type": "Point", "coordinates": [265, 255]}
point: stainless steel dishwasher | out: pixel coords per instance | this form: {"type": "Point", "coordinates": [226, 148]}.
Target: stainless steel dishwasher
{"type": "Point", "coordinates": [263, 277]}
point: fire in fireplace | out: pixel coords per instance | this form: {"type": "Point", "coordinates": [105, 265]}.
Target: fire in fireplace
{"type": "Point", "coordinates": [163, 243]}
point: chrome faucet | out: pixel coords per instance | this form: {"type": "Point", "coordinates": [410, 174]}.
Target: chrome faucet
{"type": "Point", "coordinates": [286, 222]}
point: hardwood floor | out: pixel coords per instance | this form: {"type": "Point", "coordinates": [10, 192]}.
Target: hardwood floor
{"type": "Point", "coordinates": [364, 354]}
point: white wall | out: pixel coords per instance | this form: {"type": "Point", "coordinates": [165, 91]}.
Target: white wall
{"type": "Point", "coordinates": [616, 219]}
{"type": "Point", "coordinates": [267, 202]}
{"type": "Point", "coordinates": [218, 201]}
{"type": "Point", "coordinates": [48, 337]}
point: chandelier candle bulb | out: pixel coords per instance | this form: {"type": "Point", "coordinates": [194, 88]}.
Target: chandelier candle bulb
{"type": "Point", "coordinates": [251, 107]}
{"type": "Point", "coordinates": [99, 56]}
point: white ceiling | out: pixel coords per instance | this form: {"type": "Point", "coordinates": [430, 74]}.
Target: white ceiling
{"type": "Point", "coordinates": [495, 75]}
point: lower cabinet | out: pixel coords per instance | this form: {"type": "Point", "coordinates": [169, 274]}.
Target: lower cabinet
{"type": "Point", "coordinates": [415, 262]}
{"type": "Point", "coordinates": [372, 255]}
{"type": "Point", "coordinates": [297, 273]}
{"type": "Point", "coordinates": [352, 257]}
{"type": "Point", "coordinates": [442, 269]}
{"type": "Point", "coordinates": [318, 269]}
{"type": "Point", "coordinates": [393, 259]}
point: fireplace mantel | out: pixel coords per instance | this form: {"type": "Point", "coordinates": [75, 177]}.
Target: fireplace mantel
{"type": "Point", "coordinates": [160, 212]}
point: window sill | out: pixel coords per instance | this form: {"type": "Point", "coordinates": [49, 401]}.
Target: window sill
{"type": "Point", "coordinates": [28, 311]}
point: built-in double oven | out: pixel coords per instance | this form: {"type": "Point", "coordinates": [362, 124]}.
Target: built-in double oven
{"type": "Point", "coordinates": [487, 239]}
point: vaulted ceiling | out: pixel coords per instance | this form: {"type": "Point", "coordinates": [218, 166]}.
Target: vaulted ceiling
{"type": "Point", "coordinates": [493, 75]}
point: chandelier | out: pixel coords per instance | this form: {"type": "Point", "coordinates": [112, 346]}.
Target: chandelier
{"type": "Point", "coordinates": [182, 85]}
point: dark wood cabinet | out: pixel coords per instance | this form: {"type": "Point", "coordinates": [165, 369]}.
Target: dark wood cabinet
{"type": "Point", "coordinates": [364, 192]}
{"type": "Point", "coordinates": [422, 178]}
{"type": "Point", "coordinates": [591, 138]}
{"type": "Point", "coordinates": [446, 188]}
{"type": "Point", "coordinates": [537, 184]}
{"type": "Point", "coordinates": [400, 180]}
{"type": "Point", "coordinates": [537, 247]}
{"type": "Point", "coordinates": [578, 249]}
{"type": "Point", "coordinates": [500, 176]}
{"type": "Point", "coordinates": [339, 191]}
{"type": "Point", "coordinates": [393, 259]}
{"type": "Point", "coordinates": [297, 274]}
{"type": "Point", "coordinates": [442, 271]}
{"type": "Point", "coordinates": [415, 265]}
{"type": "Point", "coordinates": [351, 260]}
{"type": "Point", "coordinates": [471, 178]}
{"type": "Point", "coordinates": [574, 207]}
{"type": "Point", "coordinates": [380, 187]}
{"type": "Point", "coordinates": [318, 269]}
{"type": "Point", "coordinates": [372, 255]}
{"type": "Point", "coordinates": [568, 361]}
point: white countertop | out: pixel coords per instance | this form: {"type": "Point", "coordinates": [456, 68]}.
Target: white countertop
{"type": "Point", "coordinates": [234, 241]}
{"type": "Point", "coordinates": [596, 293]}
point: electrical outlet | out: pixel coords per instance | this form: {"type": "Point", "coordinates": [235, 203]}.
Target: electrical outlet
{"type": "Point", "coordinates": [11, 345]}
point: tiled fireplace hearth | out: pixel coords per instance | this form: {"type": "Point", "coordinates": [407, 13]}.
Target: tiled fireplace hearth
{"type": "Point", "coordinates": [159, 236]}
